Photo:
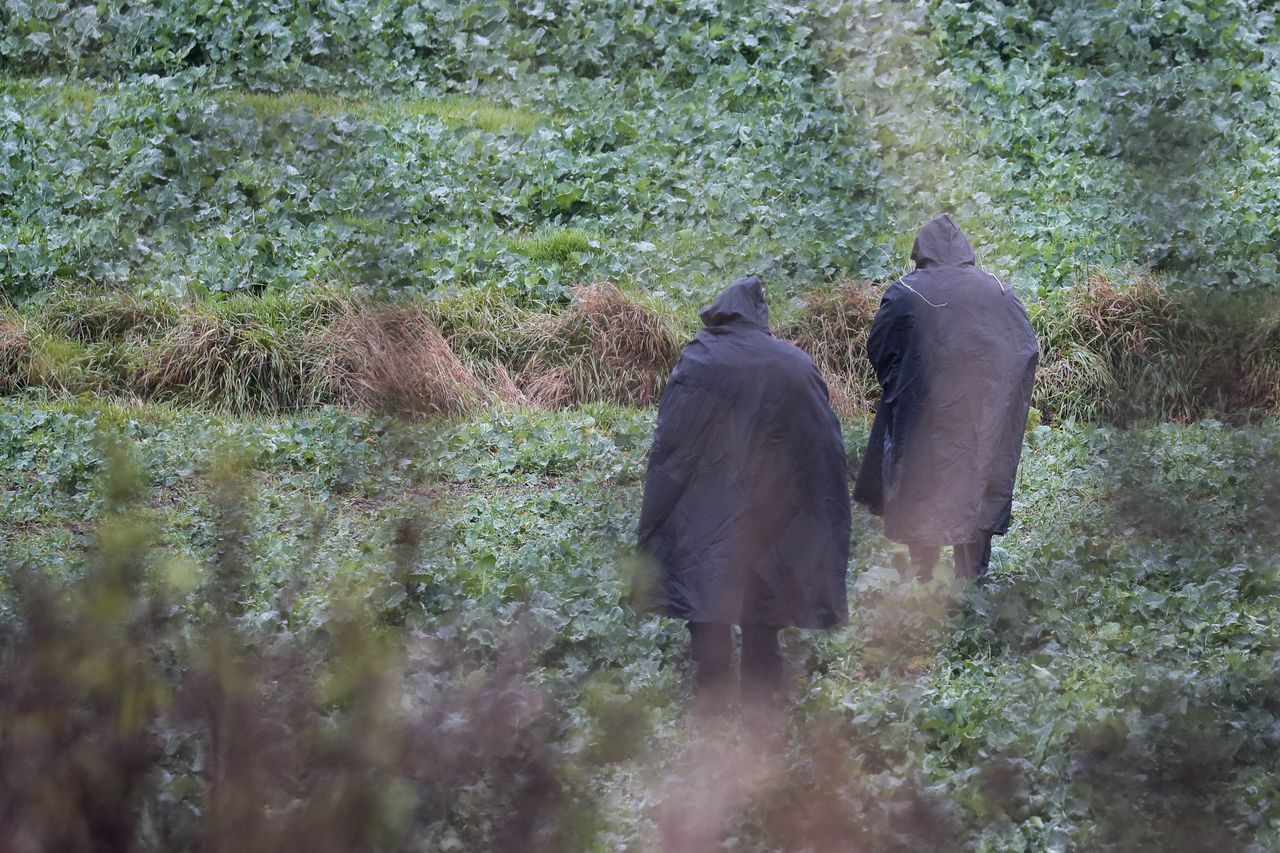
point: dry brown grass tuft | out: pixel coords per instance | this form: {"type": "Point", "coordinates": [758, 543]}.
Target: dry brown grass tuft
{"type": "Point", "coordinates": [17, 346]}
{"type": "Point", "coordinates": [549, 388]}
{"type": "Point", "coordinates": [1131, 348]}
{"type": "Point", "coordinates": [393, 359]}
{"type": "Point", "coordinates": [832, 328]}
{"type": "Point", "coordinates": [605, 347]}
{"type": "Point", "coordinates": [498, 379]}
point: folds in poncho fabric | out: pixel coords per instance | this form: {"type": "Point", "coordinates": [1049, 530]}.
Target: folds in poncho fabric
{"type": "Point", "coordinates": [956, 359]}
{"type": "Point", "coordinates": [746, 503]}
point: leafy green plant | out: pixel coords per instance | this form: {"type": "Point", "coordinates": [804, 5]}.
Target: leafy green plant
{"type": "Point", "coordinates": [412, 171]}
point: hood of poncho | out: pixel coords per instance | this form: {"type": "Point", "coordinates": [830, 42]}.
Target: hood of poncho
{"type": "Point", "coordinates": [942, 242]}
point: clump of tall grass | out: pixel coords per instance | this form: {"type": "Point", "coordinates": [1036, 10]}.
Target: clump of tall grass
{"type": "Point", "coordinates": [1135, 349]}
{"type": "Point", "coordinates": [607, 346]}
{"type": "Point", "coordinates": [115, 327]}
{"type": "Point", "coordinates": [1090, 336]}
{"type": "Point", "coordinates": [1240, 369]}
{"type": "Point", "coordinates": [832, 327]}
{"type": "Point", "coordinates": [392, 358]}
{"type": "Point", "coordinates": [31, 356]}
{"type": "Point", "coordinates": [481, 325]}
{"type": "Point", "coordinates": [245, 354]}
{"type": "Point", "coordinates": [92, 315]}
{"type": "Point", "coordinates": [486, 330]}
{"type": "Point", "coordinates": [16, 347]}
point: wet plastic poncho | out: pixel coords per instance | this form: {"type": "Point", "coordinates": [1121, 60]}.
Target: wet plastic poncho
{"type": "Point", "coordinates": [956, 358]}
{"type": "Point", "coordinates": [746, 504]}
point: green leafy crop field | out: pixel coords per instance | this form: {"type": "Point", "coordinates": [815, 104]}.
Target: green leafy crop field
{"type": "Point", "coordinates": [1113, 687]}
{"type": "Point", "coordinates": [330, 339]}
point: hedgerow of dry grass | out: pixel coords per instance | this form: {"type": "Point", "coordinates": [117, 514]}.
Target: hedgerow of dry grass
{"type": "Point", "coordinates": [832, 328]}
{"type": "Point", "coordinates": [606, 346]}
{"type": "Point", "coordinates": [394, 359]}
{"type": "Point", "coordinates": [1113, 349]}
{"type": "Point", "coordinates": [1137, 349]}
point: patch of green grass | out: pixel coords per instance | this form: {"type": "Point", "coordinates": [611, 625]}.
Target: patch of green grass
{"type": "Point", "coordinates": [456, 112]}
{"type": "Point", "coordinates": [472, 112]}
{"type": "Point", "coordinates": [50, 94]}
{"type": "Point", "coordinates": [558, 246]}
{"type": "Point", "coordinates": [274, 105]}
{"type": "Point", "coordinates": [19, 87]}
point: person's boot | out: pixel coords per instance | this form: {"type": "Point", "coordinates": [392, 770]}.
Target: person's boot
{"type": "Point", "coordinates": [924, 559]}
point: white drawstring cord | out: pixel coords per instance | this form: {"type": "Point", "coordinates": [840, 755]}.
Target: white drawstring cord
{"type": "Point", "coordinates": [903, 282]}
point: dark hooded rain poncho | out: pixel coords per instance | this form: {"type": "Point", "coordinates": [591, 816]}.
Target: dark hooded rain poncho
{"type": "Point", "coordinates": [956, 358]}
{"type": "Point", "coordinates": [746, 503]}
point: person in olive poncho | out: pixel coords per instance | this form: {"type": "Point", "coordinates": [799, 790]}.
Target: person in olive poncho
{"type": "Point", "coordinates": [956, 359]}
{"type": "Point", "coordinates": [746, 505]}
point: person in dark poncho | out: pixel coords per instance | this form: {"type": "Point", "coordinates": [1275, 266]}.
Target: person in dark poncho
{"type": "Point", "coordinates": [746, 504]}
{"type": "Point", "coordinates": [956, 359]}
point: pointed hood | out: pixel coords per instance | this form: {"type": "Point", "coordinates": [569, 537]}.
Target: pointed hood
{"type": "Point", "coordinates": [740, 302]}
{"type": "Point", "coordinates": [942, 242]}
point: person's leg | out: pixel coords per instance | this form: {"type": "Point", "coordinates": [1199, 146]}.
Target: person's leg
{"type": "Point", "coordinates": [761, 666]}
{"type": "Point", "coordinates": [962, 553]}
{"type": "Point", "coordinates": [712, 648]}
{"type": "Point", "coordinates": [925, 559]}
{"type": "Point", "coordinates": [972, 558]}
{"type": "Point", "coordinates": [763, 689]}
{"type": "Point", "coordinates": [984, 559]}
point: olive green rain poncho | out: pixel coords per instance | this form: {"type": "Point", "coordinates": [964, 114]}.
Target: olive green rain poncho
{"type": "Point", "coordinates": [746, 504]}
{"type": "Point", "coordinates": [956, 358]}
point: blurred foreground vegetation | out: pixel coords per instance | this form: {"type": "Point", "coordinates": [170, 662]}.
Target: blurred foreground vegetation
{"type": "Point", "coordinates": [366, 633]}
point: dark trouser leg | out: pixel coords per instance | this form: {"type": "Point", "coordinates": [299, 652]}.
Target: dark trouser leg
{"type": "Point", "coordinates": [924, 558]}
{"type": "Point", "coordinates": [712, 648]}
{"type": "Point", "coordinates": [972, 558]}
{"type": "Point", "coordinates": [761, 666]}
